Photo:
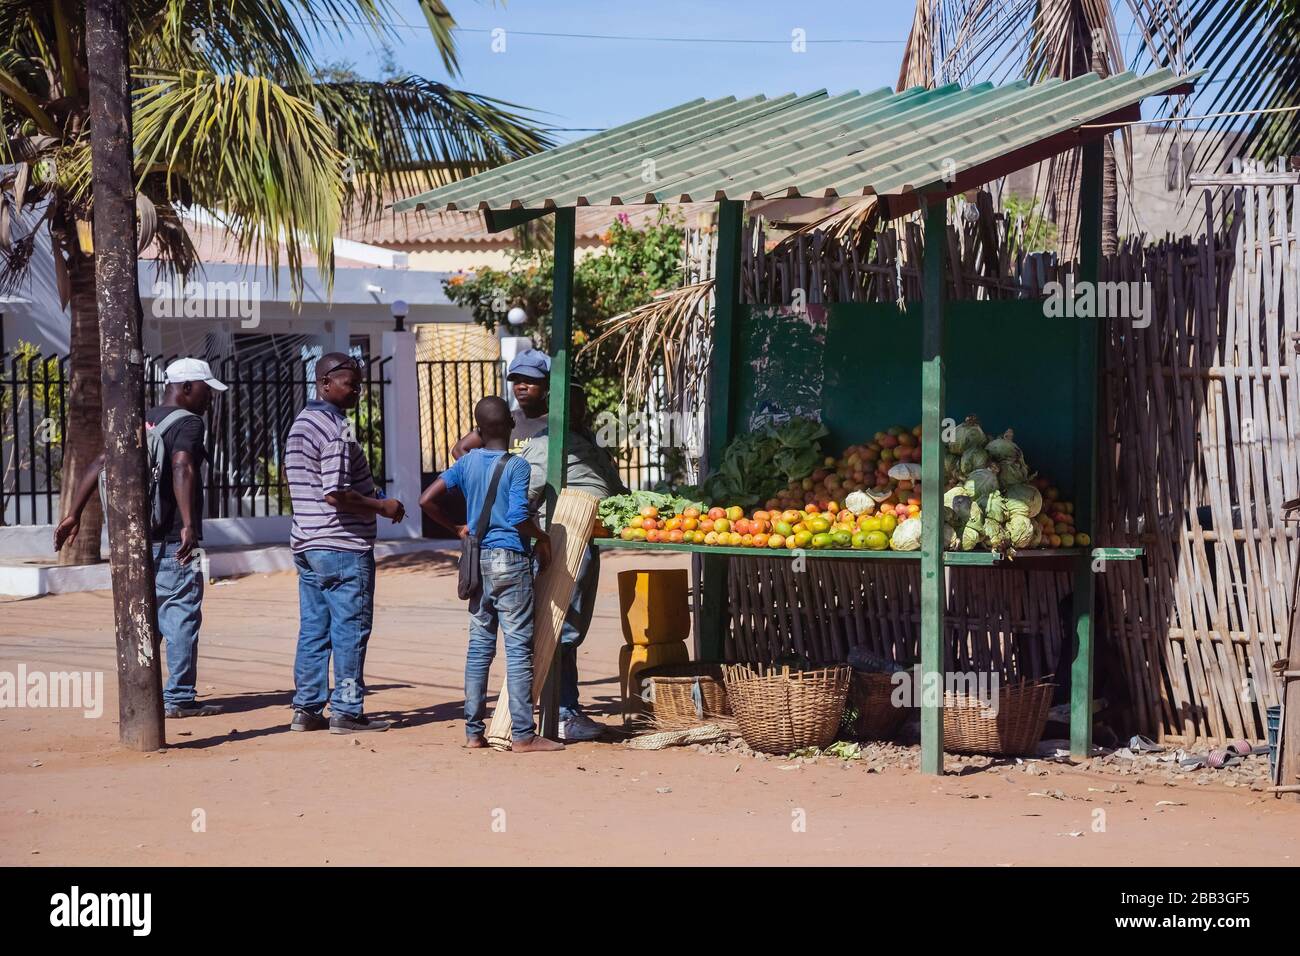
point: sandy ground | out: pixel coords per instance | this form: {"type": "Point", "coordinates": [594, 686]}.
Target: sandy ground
{"type": "Point", "coordinates": [70, 795]}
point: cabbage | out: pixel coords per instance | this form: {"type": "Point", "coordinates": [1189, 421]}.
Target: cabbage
{"type": "Point", "coordinates": [958, 502]}
{"type": "Point", "coordinates": [981, 482]}
{"type": "Point", "coordinates": [976, 515]}
{"type": "Point", "coordinates": [970, 537]}
{"type": "Point", "coordinates": [1020, 531]}
{"type": "Point", "coordinates": [1013, 472]}
{"type": "Point", "coordinates": [967, 435]}
{"type": "Point", "coordinates": [972, 459]}
{"type": "Point", "coordinates": [907, 536]}
{"type": "Point", "coordinates": [951, 463]}
{"type": "Point", "coordinates": [859, 503]}
{"type": "Point", "coordinates": [905, 471]}
{"type": "Point", "coordinates": [995, 536]}
{"type": "Point", "coordinates": [1003, 448]}
{"type": "Point", "coordinates": [995, 507]}
{"type": "Point", "coordinates": [951, 540]}
{"type": "Point", "coordinates": [1023, 499]}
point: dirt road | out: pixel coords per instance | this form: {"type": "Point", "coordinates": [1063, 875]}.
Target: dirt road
{"type": "Point", "coordinates": [240, 789]}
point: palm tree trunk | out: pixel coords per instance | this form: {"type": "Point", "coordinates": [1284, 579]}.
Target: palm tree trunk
{"type": "Point", "coordinates": [135, 612]}
{"type": "Point", "coordinates": [1109, 182]}
{"type": "Point", "coordinates": [85, 409]}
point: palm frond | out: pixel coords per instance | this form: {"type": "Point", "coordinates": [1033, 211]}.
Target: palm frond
{"type": "Point", "coordinates": [1251, 50]}
{"type": "Point", "coordinates": [658, 335]}
{"type": "Point", "coordinates": [399, 134]}
{"type": "Point", "coordinates": [254, 152]}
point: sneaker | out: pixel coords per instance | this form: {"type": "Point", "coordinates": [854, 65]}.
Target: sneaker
{"type": "Point", "coordinates": [535, 744]}
{"type": "Point", "coordinates": [192, 708]}
{"type": "Point", "coordinates": [304, 720]}
{"type": "Point", "coordinates": [580, 727]}
{"type": "Point", "coordinates": [342, 724]}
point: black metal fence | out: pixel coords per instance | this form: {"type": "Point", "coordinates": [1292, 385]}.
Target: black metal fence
{"type": "Point", "coordinates": [246, 428]}
{"type": "Point", "coordinates": [32, 424]}
{"type": "Point", "coordinates": [448, 392]}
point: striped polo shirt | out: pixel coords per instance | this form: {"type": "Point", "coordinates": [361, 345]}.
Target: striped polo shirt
{"type": "Point", "coordinates": [320, 460]}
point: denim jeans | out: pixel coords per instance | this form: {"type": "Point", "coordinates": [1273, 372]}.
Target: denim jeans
{"type": "Point", "coordinates": [179, 589]}
{"type": "Point", "coordinates": [576, 623]}
{"type": "Point", "coordinates": [507, 601]}
{"type": "Point", "coordinates": [336, 603]}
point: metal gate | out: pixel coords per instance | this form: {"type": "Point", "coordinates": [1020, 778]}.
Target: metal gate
{"type": "Point", "coordinates": [448, 392]}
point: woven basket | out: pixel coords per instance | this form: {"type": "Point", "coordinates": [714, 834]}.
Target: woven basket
{"type": "Point", "coordinates": [969, 727]}
{"type": "Point", "coordinates": [870, 694]}
{"type": "Point", "coordinates": [686, 695]}
{"type": "Point", "coordinates": [780, 711]}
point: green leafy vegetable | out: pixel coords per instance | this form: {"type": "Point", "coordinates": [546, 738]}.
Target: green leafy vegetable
{"type": "Point", "coordinates": [616, 511]}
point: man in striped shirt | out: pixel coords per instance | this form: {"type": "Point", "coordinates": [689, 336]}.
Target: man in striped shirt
{"type": "Point", "coordinates": [335, 506]}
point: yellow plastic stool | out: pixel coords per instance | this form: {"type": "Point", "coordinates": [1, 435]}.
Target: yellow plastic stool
{"type": "Point", "coordinates": [654, 606]}
{"type": "Point", "coordinates": [634, 658]}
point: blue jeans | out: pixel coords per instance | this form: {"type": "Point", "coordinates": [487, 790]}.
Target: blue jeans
{"type": "Point", "coordinates": [576, 623]}
{"type": "Point", "coordinates": [179, 589]}
{"type": "Point", "coordinates": [336, 603]}
{"type": "Point", "coordinates": [507, 601]}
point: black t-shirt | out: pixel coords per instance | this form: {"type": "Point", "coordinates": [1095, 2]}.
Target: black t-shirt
{"type": "Point", "coordinates": [184, 435]}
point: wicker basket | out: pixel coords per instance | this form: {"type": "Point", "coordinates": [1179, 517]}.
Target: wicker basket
{"type": "Point", "coordinates": [969, 727]}
{"type": "Point", "coordinates": [780, 711]}
{"type": "Point", "coordinates": [871, 695]}
{"type": "Point", "coordinates": [686, 695]}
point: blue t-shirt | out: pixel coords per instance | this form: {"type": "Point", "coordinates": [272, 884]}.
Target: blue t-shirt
{"type": "Point", "coordinates": [472, 474]}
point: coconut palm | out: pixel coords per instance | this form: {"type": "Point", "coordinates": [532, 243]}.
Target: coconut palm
{"type": "Point", "coordinates": [969, 41]}
{"type": "Point", "coordinates": [1250, 50]}
{"type": "Point", "coordinates": [229, 115]}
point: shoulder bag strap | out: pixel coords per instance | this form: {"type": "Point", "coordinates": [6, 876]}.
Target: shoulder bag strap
{"type": "Point", "coordinates": [485, 516]}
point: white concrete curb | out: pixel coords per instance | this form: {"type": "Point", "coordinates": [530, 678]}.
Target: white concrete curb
{"type": "Point", "coordinates": [36, 580]}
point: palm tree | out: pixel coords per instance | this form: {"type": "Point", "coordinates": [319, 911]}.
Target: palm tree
{"type": "Point", "coordinates": [229, 115]}
{"type": "Point", "coordinates": [968, 41]}
{"type": "Point", "coordinates": [1250, 50]}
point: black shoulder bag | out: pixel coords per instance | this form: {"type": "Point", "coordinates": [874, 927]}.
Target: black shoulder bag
{"type": "Point", "coordinates": [470, 583]}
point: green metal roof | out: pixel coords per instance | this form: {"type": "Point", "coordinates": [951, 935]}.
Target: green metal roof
{"type": "Point", "coordinates": [892, 145]}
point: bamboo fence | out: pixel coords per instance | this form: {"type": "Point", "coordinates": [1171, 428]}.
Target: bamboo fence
{"type": "Point", "coordinates": [1200, 419]}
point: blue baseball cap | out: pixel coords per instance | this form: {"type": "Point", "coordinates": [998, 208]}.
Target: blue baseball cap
{"type": "Point", "coordinates": [530, 364]}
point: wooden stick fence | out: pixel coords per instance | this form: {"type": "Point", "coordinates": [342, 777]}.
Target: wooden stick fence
{"type": "Point", "coordinates": [1201, 418]}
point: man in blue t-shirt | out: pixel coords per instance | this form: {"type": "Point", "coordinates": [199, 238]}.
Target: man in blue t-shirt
{"type": "Point", "coordinates": [507, 573]}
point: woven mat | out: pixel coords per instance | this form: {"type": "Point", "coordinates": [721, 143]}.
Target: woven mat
{"type": "Point", "coordinates": [704, 734]}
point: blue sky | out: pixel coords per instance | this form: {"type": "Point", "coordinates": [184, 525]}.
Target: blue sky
{"type": "Point", "coordinates": [601, 82]}
{"type": "Point", "coordinates": [582, 82]}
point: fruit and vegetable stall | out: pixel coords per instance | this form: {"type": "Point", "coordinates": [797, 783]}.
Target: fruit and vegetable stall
{"type": "Point", "coordinates": [862, 457]}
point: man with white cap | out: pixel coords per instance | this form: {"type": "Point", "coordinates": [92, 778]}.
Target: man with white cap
{"type": "Point", "coordinates": [178, 504]}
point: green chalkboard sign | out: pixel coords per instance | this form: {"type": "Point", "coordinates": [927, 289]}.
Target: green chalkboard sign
{"type": "Point", "coordinates": [857, 368]}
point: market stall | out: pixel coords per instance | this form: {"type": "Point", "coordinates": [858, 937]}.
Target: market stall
{"type": "Point", "coordinates": [912, 152]}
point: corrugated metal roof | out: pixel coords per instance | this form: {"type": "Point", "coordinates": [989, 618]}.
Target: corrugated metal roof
{"type": "Point", "coordinates": [816, 146]}
{"type": "Point", "coordinates": [442, 229]}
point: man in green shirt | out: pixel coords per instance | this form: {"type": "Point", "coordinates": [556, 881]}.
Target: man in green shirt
{"type": "Point", "coordinates": [589, 468]}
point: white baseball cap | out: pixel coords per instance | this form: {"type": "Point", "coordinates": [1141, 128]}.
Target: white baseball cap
{"type": "Point", "coordinates": [192, 370]}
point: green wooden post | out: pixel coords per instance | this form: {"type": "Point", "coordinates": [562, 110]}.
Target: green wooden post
{"type": "Point", "coordinates": [933, 584]}
{"type": "Point", "coordinates": [1085, 455]}
{"type": "Point", "coordinates": [557, 423]}
{"type": "Point", "coordinates": [721, 410]}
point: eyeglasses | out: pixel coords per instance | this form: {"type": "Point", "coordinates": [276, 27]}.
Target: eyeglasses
{"type": "Point", "coordinates": [349, 364]}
